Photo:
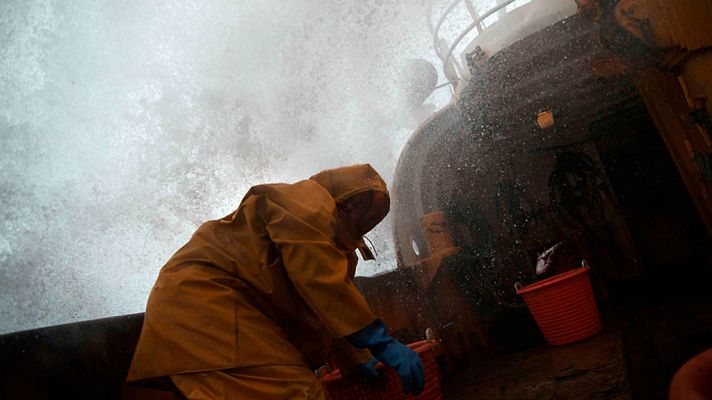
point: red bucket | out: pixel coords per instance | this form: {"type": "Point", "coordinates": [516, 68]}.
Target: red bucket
{"type": "Point", "coordinates": [389, 387]}
{"type": "Point", "coordinates": [563, 306]}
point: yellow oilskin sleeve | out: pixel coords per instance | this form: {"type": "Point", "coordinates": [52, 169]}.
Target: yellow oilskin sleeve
{"type": "Point", "coordinates": [300, 221]}
{"type": "Point", "coordinates": [354, 355]}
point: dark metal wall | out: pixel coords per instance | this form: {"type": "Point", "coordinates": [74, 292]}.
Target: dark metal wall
{"type": "Point", "coordinates": [84, 360]}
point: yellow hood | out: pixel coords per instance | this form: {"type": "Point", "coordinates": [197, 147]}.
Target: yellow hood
{"type": "Point", "coordinates": [345, 182]}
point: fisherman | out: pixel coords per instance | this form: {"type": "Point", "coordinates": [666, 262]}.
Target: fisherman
{"type": "Point", "coordinates": [253, 303]}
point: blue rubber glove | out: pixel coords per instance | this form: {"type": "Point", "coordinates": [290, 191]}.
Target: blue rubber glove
{"type": "Point", "coordinates": [368, 369]}
{"type": "Point", "coordinates": [392, 353]}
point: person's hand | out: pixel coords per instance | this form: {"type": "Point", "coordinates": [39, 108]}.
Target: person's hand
{"type": "Point", "coordinates": [407, 363]}
{"type": "Point", "coordinates": [392, 353]}
{"type": "Point", "coordinates": [368, 369]}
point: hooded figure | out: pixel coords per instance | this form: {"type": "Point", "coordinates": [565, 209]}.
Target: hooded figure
{"type": "Point", "coordinates": [254, 302]}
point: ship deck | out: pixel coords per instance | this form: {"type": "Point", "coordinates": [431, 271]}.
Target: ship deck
{"type": "Point", "coordinates": [648, 334]}
{"type": "Point", "coordinates": [646, 338]}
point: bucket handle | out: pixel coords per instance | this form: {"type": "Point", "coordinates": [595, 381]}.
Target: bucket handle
{"type": "Point", "coordinates": [519, 286]}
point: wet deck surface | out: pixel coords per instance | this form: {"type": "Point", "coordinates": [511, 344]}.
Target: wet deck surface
{"type": "Point", "coordinates": [646, 338]}
{"type": "Point", "coordinates": [659, 338]}
{"type": "Point", "coordinates": [592, 369]}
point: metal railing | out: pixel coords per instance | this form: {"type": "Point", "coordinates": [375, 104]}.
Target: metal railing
{"type": "Point", "coordinates": [477, 19]}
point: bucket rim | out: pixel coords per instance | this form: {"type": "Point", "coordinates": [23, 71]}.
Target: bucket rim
{"type": "Point", "coordinates": [419, 347]}
{"type": "Point", "coordinates": [553, 280]}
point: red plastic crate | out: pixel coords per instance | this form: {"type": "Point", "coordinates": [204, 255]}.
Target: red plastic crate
{"type": "Point", "coordinates": [389, 387]}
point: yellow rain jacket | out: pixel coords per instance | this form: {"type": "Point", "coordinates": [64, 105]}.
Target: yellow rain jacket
{"type": "Point", "coordinates": [269, 284]}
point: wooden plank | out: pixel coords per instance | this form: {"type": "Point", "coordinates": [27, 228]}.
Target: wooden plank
{"type": "Point", "coordinates": [667, 105]}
